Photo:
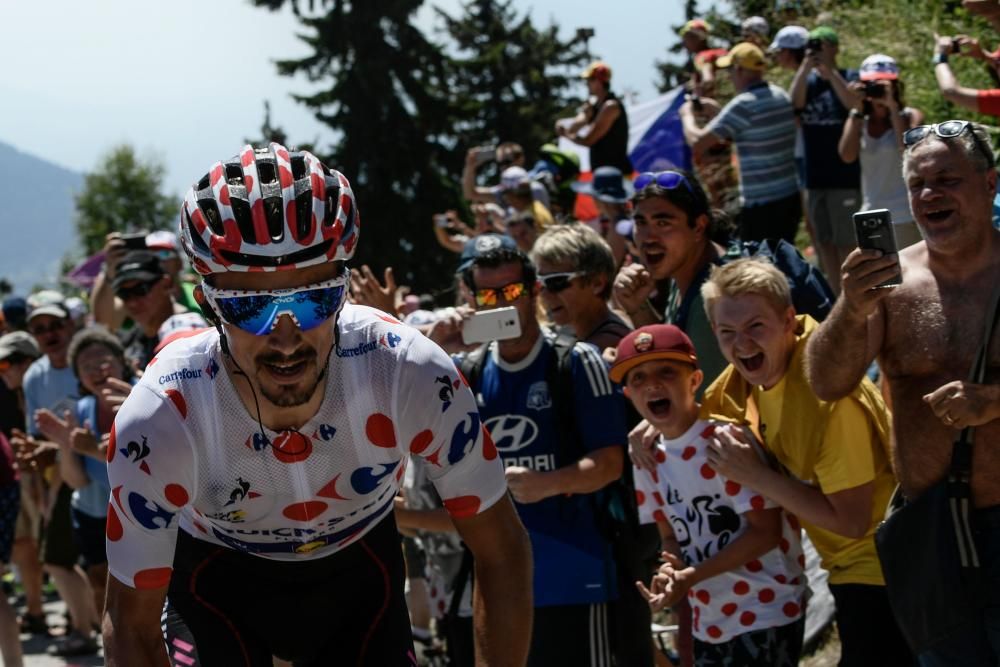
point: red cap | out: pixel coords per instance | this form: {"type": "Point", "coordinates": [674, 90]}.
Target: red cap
{"type": "Point", "coordinates": [654, 341]}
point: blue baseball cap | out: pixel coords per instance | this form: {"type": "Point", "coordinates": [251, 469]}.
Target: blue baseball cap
{"type": "Point", "coordinates": [607, 185]}
{"type": "Point", "coordinates": [478, 246]}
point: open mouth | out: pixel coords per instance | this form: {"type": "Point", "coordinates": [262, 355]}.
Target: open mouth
{"type": "Point", "coordinates": [752, 363]}
{"type": "Point", "coordinates": [938, 215]}
{"type": "Point", "coordinates": [286, 370]}
{"type": "Point", "coordinates": [653, 255]}
{"type": "Point", "coordinates": [659, 407]}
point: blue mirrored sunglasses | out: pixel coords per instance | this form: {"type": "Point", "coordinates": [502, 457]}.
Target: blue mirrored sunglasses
{"type": "Point", "coordinates": [257, 312]}
{"type": "Point", "coordinates": [668, 180]}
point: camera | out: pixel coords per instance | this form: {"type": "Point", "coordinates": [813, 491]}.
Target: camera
{"type": "Point", "coordinates": [814, 44]}
{"type": "Point", "coordinates": [441, 220]}
{"type": "Point", "coordinates": [871, 223]}
{"type": "Point", "coordinates": [956, 45]}
{"type": "Point", "coordinates": [873, 89]}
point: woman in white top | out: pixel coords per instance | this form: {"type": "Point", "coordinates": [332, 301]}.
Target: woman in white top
{"type": "Point", "coordinates": [873, 133]}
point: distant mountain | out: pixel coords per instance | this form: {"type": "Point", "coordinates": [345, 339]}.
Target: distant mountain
{"type": "Point", "coordinates": [36, 217]}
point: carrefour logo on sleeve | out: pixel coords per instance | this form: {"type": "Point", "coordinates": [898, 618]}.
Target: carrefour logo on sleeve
{"type": "Point", "coordinates": [183, 374]}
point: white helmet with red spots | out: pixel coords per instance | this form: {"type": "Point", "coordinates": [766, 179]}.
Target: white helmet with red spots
{"type": "Point", "coordinates": [268, 210]}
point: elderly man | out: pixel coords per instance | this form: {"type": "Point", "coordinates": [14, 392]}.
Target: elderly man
{"type": "Point", "coordinates": [925, 334]}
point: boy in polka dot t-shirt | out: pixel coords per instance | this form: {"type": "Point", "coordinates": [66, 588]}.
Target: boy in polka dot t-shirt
{"type": "Point", "coordinates": [731, 552]}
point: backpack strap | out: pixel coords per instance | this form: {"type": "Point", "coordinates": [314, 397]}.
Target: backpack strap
{"type": "Point", "coordinates": [559, 377]}
{"type": "Point", "coordinates": [471, 365]}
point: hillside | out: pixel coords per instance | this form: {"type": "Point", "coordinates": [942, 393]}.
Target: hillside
{"type": "Point", "coordinates": [36, 220]}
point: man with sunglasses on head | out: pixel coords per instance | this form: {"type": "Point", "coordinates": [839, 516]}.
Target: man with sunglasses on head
{"type": "Point", "coordinates": [147, 292]}
{"type": "Point", "coordinates": [673, 230]}
{"type": "Point", "coordinates": [925, 334]}
{"type": "Point", "coordinates": [560, 442]}
{"type": "Point", "coordinates": [255, 465]}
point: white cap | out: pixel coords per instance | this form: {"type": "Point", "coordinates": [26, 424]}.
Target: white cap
{"type": "Point", "coordinates": [757, 25]}
{"type": "Point", "coordinates": [512, 177]}
{"type": "Point", "coordinates": [790, 37]}
{"type": "Point", "coordinates": [164, 241]}
{"type": "Point", "coordinates": [878, 66]}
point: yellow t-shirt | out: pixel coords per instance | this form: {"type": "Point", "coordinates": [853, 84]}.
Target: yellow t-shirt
{"type": "Point", "coordinates": [850, 455]}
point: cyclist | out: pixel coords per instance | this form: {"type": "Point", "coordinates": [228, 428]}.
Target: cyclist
{"type": "Point", "coordinates": [253, 468]}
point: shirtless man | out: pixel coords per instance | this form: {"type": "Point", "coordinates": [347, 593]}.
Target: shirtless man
{"type": "Point", "coordinates": [925, 334]}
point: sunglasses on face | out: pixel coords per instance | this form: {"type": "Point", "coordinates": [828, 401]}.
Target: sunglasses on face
{"type": "Point", "coordinates": [946, 130]}
{"type": "Point", "coordinates": [136, 291]}
{"type": "Point", "coordinates": [557, 282]}
{"type": "Point", "coordinates": [55, 327]}
{"type": "Point", "coordinates": [257, 311]}
{"type": "Point", "coordinates": [668, 180]}
{"type": "Point", "coordinates": [490, 296]}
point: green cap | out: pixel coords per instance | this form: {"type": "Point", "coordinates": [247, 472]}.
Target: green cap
{"type": "Point", "coordinates": [825, 33]}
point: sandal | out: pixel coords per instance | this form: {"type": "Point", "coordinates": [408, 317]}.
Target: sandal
{"type": "Point", "coordinates": [34, 624]}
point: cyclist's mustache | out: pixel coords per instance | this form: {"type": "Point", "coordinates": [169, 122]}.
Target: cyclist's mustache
{"type": "Point", "coordinates": [308, 354]}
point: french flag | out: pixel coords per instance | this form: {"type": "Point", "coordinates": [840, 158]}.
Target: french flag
{"type": "Point", "coordinates": [655, 142]}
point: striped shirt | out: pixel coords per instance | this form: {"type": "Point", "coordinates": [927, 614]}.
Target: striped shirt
{"type": "Point", "coordinates": [761, 122]}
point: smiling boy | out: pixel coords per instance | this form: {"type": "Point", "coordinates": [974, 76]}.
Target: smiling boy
{"type": "Point", "coordinates": [836, 476]}
{"type": "Point", "coordinates": [726, 548]}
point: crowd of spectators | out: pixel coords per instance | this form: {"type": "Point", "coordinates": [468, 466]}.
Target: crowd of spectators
{"type": "Point", "coordinates": [644, 334]}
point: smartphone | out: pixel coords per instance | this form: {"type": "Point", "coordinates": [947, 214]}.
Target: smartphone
{"type": "Point", "coordinates": [874, 232]}
{"type": "Point", "coordinates": [485, 154]}
{"type": "Point", "coordinates": [136, 241]}
{"type": "Point", "coordinates": [956, 45]}
{"type": "Point", "coordinates": [487, 325]}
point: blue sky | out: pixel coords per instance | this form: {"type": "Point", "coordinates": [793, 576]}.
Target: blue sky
{"type": "Point", "coordinates": [185, 80]}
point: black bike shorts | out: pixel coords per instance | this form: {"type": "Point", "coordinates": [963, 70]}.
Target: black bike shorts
{"type": "Point", "coordinates": [345, 609]}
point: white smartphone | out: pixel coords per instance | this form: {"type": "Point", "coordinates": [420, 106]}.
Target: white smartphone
{"type": "Point", "coordinates": [487, 325]}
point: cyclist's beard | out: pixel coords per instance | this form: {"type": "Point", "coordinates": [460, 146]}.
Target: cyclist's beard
{"type": "Point", "coordinates": [290, 395]}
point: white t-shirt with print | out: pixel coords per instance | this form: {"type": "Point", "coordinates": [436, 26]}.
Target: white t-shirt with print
{"type": "Point", "coordinates": [706, 512]}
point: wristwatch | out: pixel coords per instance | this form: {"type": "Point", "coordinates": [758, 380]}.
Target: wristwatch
{"type": "Point", "coordinates": [940, 58]}
{"type": "Point", "coordinates": [854, 113]}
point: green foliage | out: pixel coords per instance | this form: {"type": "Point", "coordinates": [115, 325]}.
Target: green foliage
{"type": "Point", "coordinates": [123, 193]}
{"type": "Point", "coordinates": [508, 80]}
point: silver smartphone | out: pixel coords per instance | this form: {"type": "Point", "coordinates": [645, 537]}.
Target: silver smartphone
{"type": "Point", "coordinates": [487, 325]}
{"type": "Point", "coordinates": [873, 230]}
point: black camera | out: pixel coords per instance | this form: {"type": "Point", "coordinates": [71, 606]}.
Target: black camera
{"type": "Point", "coordinates": [873, 89]}
{"type": "Point", "coordinates": [814, 44]}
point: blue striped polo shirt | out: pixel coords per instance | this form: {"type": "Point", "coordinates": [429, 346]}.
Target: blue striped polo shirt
{"type": "Point", "coordinates": [761, 122]}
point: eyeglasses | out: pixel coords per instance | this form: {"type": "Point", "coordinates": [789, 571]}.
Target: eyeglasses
{"type": "Point", "coordinates": [947, 130]}
{"type": "Point", "coordinates": [668, 180]}
{"type": "Point", "coordinates": [258, 311]}
{"type": "Point", "coordinates": [165, 255]}
{"type": "Point", "coordinates": [55, 327]}
{"type": "Point", "coordinates": [136, 291]}
{"type": "Point", "coordinates": [557, 282]}
{"type": "Point", "coordinates": [489, 296]}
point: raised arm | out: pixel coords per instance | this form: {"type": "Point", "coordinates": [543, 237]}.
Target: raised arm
{"type": "Point", "coordinates": [842, 349]}
{"type": "Point", "coordinates": [946, 80]}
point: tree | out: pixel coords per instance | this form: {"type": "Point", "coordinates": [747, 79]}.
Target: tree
{"type": "Point", "coordinates": [382, 91]}
{"type": "Point", "coordinates": [509, 80]}
{"type": "Point", "coordinates": [124, 193]}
